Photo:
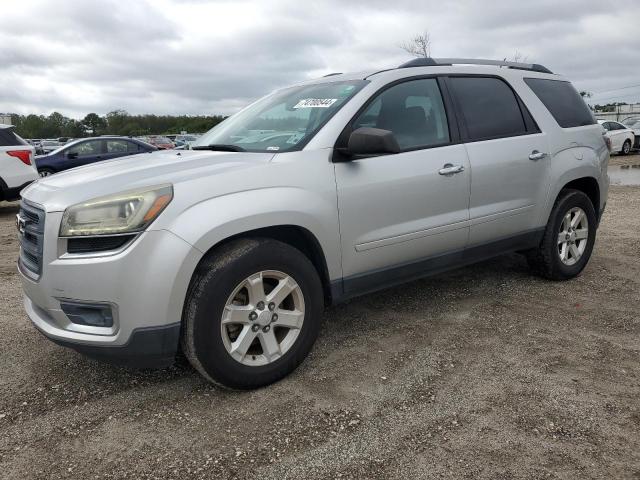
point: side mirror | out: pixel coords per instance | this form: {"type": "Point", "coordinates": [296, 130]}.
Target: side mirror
{"type": "Point", "coordinates": [72, 155]}
{"type": "Point", "coordinates": [372, 141]}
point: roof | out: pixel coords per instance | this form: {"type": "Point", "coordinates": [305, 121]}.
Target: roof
{"type": "Point", "coordinates": [433, 62]}
{"type": "Point", "coordinates": [442, 62]}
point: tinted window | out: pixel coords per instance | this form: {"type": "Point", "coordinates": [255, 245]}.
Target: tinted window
{"type": "Point", "coordinates": [133, 147]}
{"type": "Point", "coordinates": [92, 147]}
{"type": "Point", "coordinates": [563, 101]}
{"type": "Point", "coordinates": [489, 107]}
{"type": "Point", "coordinates": [10, 139]}
{"type": "Point", "coordinates": [412, 110]}
{"type": "Point", "coordinates": [117, 146]}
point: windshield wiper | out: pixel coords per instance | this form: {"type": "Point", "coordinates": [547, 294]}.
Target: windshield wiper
{"type": "Point", "coordinates": [220, 147]}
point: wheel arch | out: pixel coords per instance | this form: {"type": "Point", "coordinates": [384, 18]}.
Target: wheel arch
{"type": "Point", "coordinates": [3, 188]}
{"type": "Point", "coordinates": [295, 236]}
{"type": "Point", "coordinates": [589, 186]}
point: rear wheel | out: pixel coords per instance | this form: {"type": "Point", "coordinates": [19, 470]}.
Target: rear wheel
{"type": "Point", "coordinates": [252, 313]}
{"type": "Point", "coordinates": [45, 172]}
{"type": "Point", "coordinates": [568, 239]}
{"type": "Point", "coordinates": [626, 147]}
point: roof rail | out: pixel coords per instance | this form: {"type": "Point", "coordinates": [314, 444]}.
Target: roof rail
{"type": "Point", "coordinates": [437, 62]}
{"type": "Point", "coordinates": [332, 74]}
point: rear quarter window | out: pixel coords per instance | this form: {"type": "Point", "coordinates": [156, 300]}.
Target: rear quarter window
{"type": "Point", "coordinates": [563, 102]}
{"type": "Point", "coordinates": [9, 139]}
{"type": "Point", "coordinates": [489, 108]}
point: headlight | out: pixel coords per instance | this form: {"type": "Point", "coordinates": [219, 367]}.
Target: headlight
{"type": "Point", "coordinates": [124, 212]}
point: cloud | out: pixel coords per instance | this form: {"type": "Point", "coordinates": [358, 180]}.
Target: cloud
{"type": "Point", "coordinates": [197, 56]}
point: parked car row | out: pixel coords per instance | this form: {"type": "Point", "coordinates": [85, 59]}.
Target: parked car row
{"type": "Point", "coordinates": [634, 124]}
{"type": "Point", "coordinates": [622, 138]}
{"type": "Point", "coordinates": [43, 146]}
{"type": "Point", "coordinates": [89, 150]}
{"type": "Point", "coordinates": [20, 163]}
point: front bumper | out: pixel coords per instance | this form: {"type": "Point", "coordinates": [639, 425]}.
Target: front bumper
{"type": "Point", "coordinates": [149, 347]}
{"type": "Point", "coordinates": [145, 283]}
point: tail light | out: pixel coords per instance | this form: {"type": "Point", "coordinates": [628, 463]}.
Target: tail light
{"type": "Point", "coordinates": [23, 155]}
{"type": "Point", "coordinates": [607, 141]}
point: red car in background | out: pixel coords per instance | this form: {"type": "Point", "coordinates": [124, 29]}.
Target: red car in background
{"type": "Point", "coordinates": [158, 141]}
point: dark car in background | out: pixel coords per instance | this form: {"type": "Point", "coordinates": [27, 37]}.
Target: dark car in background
{"type": "Point", "coordinates": [89, 150]}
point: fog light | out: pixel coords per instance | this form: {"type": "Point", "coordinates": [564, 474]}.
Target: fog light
{"type": "Point", "coordinates": [94, 315]}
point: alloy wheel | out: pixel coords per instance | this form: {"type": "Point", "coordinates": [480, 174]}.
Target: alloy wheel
{"type": "Point", "coordinates": [573, 236]}
{"type": "Point", "coordinates": [262, 318]}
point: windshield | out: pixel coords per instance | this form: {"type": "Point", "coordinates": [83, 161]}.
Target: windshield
{"type": "Point", "coordinates": [284, 120]}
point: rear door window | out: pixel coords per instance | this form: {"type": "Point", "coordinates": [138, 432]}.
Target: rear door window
{"type": "Point", "coordinates": [117, 146]}
{"type": "Point", "coordinates": [563, 102]}
{"type": "Point", "coordinates": [91, 147]}
{"type": "Point", "coordinates": [489, 108]}
{"type": "Point", "coordinates": [8, 138]}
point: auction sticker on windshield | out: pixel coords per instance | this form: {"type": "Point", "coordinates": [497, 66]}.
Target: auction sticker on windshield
{"type": "Point", "coordinates": [315, 103]}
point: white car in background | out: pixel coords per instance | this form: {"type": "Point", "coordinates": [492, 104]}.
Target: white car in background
{"type": "Point", "coordinates": [622, 137]}
{"type": "Point", "coordinates": [17, 168]}
{"type": "Point", "coordinates": [634, 124]}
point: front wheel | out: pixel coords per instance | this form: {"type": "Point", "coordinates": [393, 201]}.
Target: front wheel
{"type": "Point", "coordinates": [568, 239]}
{"type": "Point", "coordinates": [252, 313]}
{"type": "Point", "coordinates": [45, 172]}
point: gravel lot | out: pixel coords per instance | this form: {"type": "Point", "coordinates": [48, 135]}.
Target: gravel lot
{"type": "Point", "coordinates": [484, 372]}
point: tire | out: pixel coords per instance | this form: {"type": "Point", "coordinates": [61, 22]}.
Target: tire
{"type": "Point", "coordinates": [207, 343]}
{"type": "Point", "coordinates": [546, 260]}
{"type": "Point", "coordinates": [45, 172]}
{"type": "Point", "coordinates": [626, 147]}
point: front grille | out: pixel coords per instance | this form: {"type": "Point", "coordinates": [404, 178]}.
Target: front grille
{"type": "Point", "coordinates": [31, 236]}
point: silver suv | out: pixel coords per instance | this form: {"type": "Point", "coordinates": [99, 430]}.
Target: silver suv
{"type": "Point", "coordinates": [316, 193]}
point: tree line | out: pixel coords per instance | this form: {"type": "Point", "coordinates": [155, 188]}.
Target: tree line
{"type": "Point", "coordinates": [118, 122]}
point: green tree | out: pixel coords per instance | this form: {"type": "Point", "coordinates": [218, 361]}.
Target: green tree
{"type": "Point", "coordinates": [116, 121]}
{"type": "Point", "coordinates": [94, 123]}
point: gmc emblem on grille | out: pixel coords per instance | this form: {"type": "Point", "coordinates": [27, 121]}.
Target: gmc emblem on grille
{"type": "Point", "coordinates": [21, 222]}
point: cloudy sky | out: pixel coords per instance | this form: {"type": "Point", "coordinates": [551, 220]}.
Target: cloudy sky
{"type": "Point", "coordinates": [203, 57]}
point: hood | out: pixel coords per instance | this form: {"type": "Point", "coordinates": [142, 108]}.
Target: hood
{"type": "Point", "coordinates": [80, 184]}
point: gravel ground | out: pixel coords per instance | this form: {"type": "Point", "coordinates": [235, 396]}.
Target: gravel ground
{"type": "Point", "coordinates": [484, 372]}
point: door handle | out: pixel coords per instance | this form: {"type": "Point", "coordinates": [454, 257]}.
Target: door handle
{"type": "Point", "coordinates": [449, 169]}
{"type": "Point", "coordinates": [536, 155]}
